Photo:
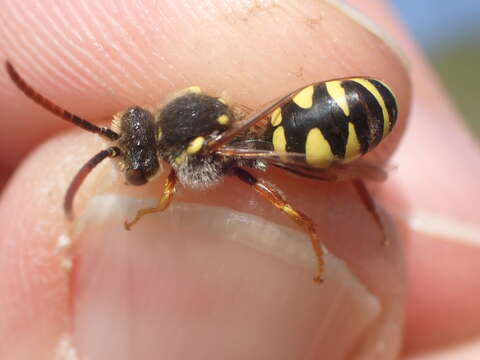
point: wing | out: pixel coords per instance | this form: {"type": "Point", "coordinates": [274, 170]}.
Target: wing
{"type": "Point", "coordinates": [296, 162]}
{"type": "Point", "coordinates": [242, 125]}
{"type": "Point", "coordinates": [359, 169]}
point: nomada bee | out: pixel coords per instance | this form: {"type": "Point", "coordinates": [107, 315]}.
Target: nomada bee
{"type": "Point", "coordinates": [318, 131]}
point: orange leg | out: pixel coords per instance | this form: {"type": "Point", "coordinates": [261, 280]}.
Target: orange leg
{"type": "Point", "coordinates": [370, 205]}
{"type": "Point", "coordinates": [163, 203]}
{"type": "Point", "coordinates": [272, 195]}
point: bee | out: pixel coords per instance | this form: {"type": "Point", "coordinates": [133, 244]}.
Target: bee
{"type": "Point", "coordinates": [318, 131]}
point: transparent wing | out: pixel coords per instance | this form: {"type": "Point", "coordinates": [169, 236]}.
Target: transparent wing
{"type": "Point", "coordinates": [242, 125]}
{"type": "Point", "coordinates": [296, 162]}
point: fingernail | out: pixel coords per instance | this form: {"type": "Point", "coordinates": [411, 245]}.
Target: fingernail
{"type": "Point", "coordinates": [65, 349]}
{"type": "Point", "coordinates": [208, 282]}
{"type": "Point", "coordinates": [445, 227]}
{"type": "Point", "coordinates": [363, 20]}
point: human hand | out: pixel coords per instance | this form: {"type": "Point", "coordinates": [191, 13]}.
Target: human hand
{"type": "Point", "coordinates": [183, 283]}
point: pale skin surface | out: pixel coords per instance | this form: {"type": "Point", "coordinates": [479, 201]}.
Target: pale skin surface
{"type": "Point", "coordinates": [184, 292]}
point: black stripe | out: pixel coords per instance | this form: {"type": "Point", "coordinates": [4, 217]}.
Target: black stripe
{"type": "Point", "coordinates": [293, 125]}
{"type": "Point", "coordinates": [334, 126]}
{"type": "Point", "coordinates": [389, 100]}
{"type": "Point", "coordinates": [324, 114]}
{"type": "Point", "coordinates": [365, 114]}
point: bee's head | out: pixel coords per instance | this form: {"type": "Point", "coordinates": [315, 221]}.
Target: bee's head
{"type": "Point", "coordinates": [139, 145]}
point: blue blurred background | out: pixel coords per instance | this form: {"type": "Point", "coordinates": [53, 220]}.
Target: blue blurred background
{"type": "Point", "coordinates": [449, 32]}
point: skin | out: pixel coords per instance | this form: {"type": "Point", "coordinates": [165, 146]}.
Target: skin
{"type": "Point", "coordinates": [151, 291]}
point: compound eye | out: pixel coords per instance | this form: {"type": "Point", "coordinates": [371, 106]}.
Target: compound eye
{"type": "Point", "coordinates": [135, 177]}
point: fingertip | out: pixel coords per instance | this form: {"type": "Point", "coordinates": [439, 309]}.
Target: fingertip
{"type": "Point", "coordinates": [108, 64]}
{"type": "Point", "coordinates": [34, 285]}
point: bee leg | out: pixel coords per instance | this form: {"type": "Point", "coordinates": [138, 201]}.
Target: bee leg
{"type": "Point", "coordinates": [168, 191]}
{"type": "Point", "coordinates": [272, 195]}
{"type": "Point", "coordinates": [370, 205]}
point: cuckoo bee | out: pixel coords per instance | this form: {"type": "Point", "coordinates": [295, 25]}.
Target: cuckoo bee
{"type": "Point", "coordinates": [318, 131]}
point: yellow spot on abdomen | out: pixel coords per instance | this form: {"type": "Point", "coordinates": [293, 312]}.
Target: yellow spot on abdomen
{"type": "Point", "coordinates": [195, 145]}
{"type": "Point", "coordinates": [304, 98]}
{"type": "Point", "coordinates": [337, 92]}
{"type": "Point", "coordinates": [353, 146]}
{"type": "Point", "coordinates": [223, 119]}
{"type": "Point", "coordinates": [278, 139]}
{"type": "Point", "coordinates": [373, 90]}
{"type": "Point", "coordinates": [317, 149]}
{"type": "Point", "coordinates": [276, 117]}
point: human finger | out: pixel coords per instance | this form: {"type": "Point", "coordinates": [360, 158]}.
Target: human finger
{"type": "Point", "coordinates": [102, 252]}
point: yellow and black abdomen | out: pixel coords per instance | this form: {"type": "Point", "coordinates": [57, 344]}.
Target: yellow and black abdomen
{"type": "Point", "coordinates": [336, 120]}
